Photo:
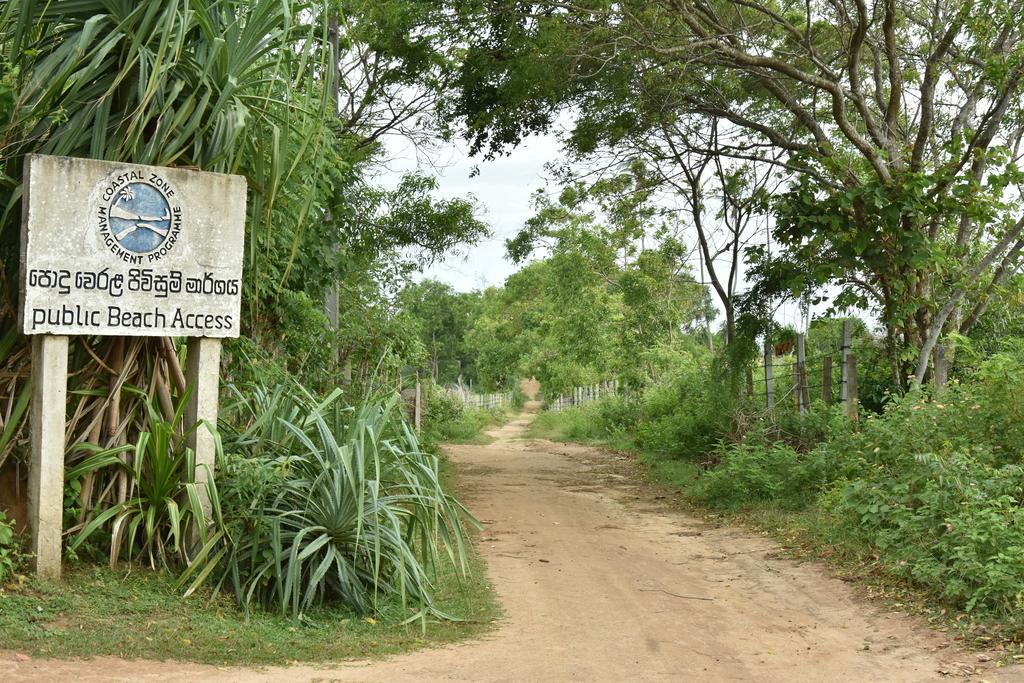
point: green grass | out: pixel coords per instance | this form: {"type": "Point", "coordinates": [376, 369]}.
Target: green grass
{"type": "Point", "coordinates": [474, 437]}
{"type": "Point", "coordinates": [670, 471]}
{"type": "Point", "coordinates": [577, 426]}
{"type": "Point", "coordinates": [468, 428]}
{"type": "Point", "coordinates": [96, 611]}
{"type": "Point", "coordinates": [571, 424]}
{"type": "Point", "coordinates": [551, 425]}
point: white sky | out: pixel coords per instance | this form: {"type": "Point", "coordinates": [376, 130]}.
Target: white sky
{"type": "Point", "coordinates": [502, 189]}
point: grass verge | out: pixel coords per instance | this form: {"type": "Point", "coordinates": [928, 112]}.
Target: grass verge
{"type": "Point", "coordinates": [96, 611]}
{"type": "Point", "coordinates": [467, 428]}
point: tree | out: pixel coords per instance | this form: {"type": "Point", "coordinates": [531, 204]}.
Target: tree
{"type": "Point", "coordinates": [395, 61]}
{"type": "Point", "coordinates": [602, 302]}
{"type": "Point", "coordinates": [722, 195]}
{"type": "Point", "coordinates": [901, 124]}
{"type": "Point", "coordinates": [237, 87]}
{"type": "Point", "coordinates": [513, 322]}
{"type": "Point", "coordinates": [443, 318]}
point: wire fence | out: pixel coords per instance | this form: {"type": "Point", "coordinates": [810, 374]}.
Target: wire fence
{"type": "Point", "coordinates": [799, 378]}
{"type": "Point", "coordinates": [583, 395]}
{"type": "Point", "coordinates": [415, 388]}
{"type": "Point", "coordinates": [486, 401]}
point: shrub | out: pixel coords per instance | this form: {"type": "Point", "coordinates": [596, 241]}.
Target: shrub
{"type": "Point", "coordinates": [519, 397]}
{"type": "Point", "coordinates": [616, 414]}
{"type": "Point", "coordinates": [953, 523]}
{"type": "Point", "coordinates": [582, 423]}
{"type": "Point", "coordinates": [557, 425]}
{"type": "Point", "coordinates": [819, 424]}
{"type": "Point", "coordinates": [997, 408]}
{"type": "Point", "coordinates": [609, 420]}
{"type": "Point", "coordinates": [327, 504]}
{"type": "Point", "coordinates": [756, 472]}
{"type": "Point", "coordinates": [155, 520]}
{"type": "Point", "coordinates": [449, 420]}
{"type": "Point", "coordinates": [685, 414]}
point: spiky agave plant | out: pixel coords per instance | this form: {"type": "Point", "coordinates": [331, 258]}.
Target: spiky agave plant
{"type": "Point", "coordinates": [360, 516]}
{"type": "Point", "coordinates": [164, 507]}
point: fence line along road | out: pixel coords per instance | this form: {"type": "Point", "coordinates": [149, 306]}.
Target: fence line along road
{"type": "Point", "coordinates": [488, 401]}
{"type": "Point", "coordinates": [580, 396]}
{"type": "Point", "coordinates": [782, 384]}
{"type": "Point", "coordinates": [794, 379]}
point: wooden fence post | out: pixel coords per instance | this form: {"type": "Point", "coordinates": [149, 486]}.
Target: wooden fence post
{"type": "Point", "coordinates": [805, 387]}
{"type": "Point", "coordinates": [803, 395]}
{"type": "Point", "coordinates": [797, 394]}
{"type": "Point", "coordinates": [769, 379]}
{"type": "Point", "coordinates": [750, 382]}
{"type": "Point", "coordinates": [845, 361]}
{"type": "Point", "coordinates": [851, 387]}
{"type": "Point", "coordinates": [826, 380]}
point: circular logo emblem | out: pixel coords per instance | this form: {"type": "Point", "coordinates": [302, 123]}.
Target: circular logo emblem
{"type": "Point", "coordinates": [140, 217]}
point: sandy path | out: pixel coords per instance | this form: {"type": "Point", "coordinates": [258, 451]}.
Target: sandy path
{"type": "Point", "coordinates": [600, 582]}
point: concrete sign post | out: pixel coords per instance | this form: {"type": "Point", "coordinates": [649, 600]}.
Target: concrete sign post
{"type": "Point", "coordinates": [46, 470]}
{"type": "Point", "coordinates": [121, 249]}
{"type": "Point", "coordinates": [203, 375]}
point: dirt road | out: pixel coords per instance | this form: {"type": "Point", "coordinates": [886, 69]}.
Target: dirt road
{"type": "Point", "coordinates": [601, 581]}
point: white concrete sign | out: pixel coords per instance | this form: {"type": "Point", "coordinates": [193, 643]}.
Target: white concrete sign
{"type": "Point", "coordinates": [122, 249]}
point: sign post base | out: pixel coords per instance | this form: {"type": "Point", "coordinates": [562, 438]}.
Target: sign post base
{"type": "Point", "coordinates": [203, 376]}
{"type": "Point", "coordinates": [46, 469]}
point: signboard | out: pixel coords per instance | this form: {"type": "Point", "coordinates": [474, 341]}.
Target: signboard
{"type": "Point", "coordinates": [122, 249]}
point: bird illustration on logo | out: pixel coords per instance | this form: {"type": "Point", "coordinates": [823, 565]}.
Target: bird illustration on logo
{"type": "Point", "coordinates": [140, 217]}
